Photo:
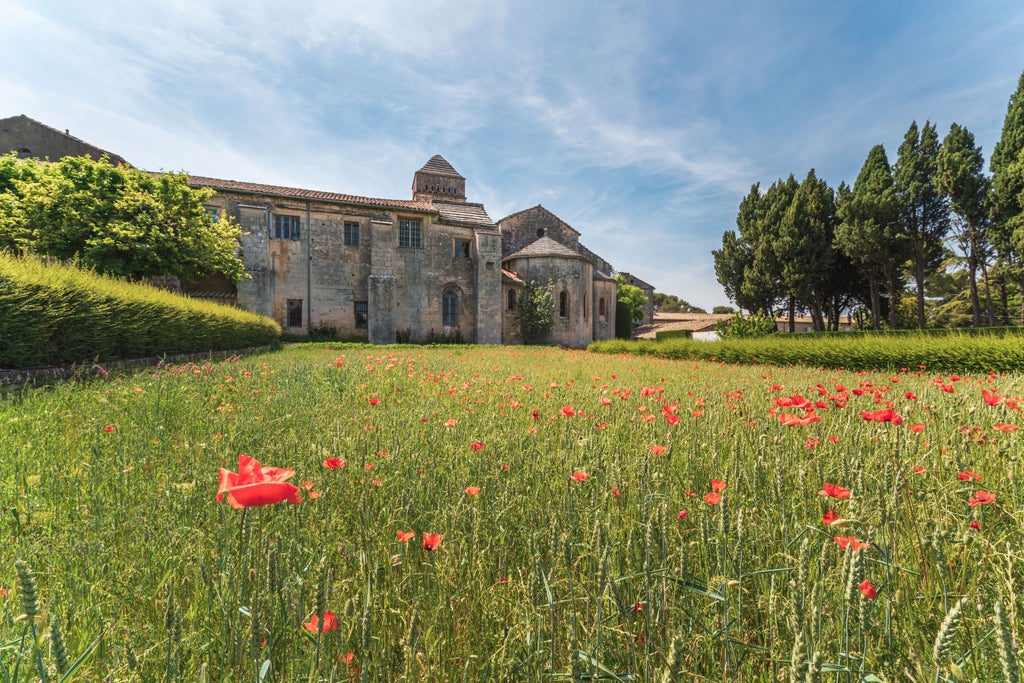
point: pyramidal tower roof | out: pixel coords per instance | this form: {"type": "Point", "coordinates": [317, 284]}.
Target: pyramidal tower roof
{"type": "Point", "coordinates": [438, 180]}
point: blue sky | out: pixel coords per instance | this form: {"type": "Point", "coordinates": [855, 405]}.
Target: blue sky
{"type": "Point", "coordinates": [642, 124]}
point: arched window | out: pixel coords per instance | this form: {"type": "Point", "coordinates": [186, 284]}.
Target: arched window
{"type": "Point", "coordinates": [511, 305]}
{"type": "Point", "coordinates": [601, 309]}
{"type": "Point", "coordinates": [450, 308]}
{"type": "Point", "coordinates": [563, 304]}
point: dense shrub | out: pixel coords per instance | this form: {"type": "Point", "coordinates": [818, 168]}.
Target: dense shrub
{"type": "Point", "coordinates": [59, 314]}
{"type": "Point", "coordinates": [673, 334]}
{"type": "Point", "coordinates": [948, 353]}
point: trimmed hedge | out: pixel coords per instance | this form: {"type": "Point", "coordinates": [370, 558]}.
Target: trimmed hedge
{"type": "Point", "coordinates": [952, 353]}
{"type": "Point", "coordinates": [665, 335]}
{"type": "Point", "coordinates": [54, 314]}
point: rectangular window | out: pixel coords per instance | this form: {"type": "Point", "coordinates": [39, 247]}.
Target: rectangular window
{"type": "Point", "coordinates": [410, 233]}
{"type": "Point", "coordinates": [286, 227]}
{"type": "Point", "coordinates": [362, 315]}
{"type": "Point", "coordinates": [214, 213]}
{"type": "Point", "coordinates": [294, 312]}
{"type": "Point", "coordinates": [351, 234]}
{"type": "Point", "coordinates": [461, 248]}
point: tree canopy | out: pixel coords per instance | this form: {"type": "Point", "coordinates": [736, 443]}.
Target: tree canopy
{"type": "Point", "coordinates": [117, 220]}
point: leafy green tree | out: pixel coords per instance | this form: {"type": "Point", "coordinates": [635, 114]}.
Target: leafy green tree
{"type": "Point", "coordinates": [740, 327]}
{"type": "Point", "coordinates": [723, 310]}
{"type": "Point", "coordinates": [731, 264]}
{"type": "Point", "coordinates": [535, 311]}
{"type": "Point", "coordinates": [961, 179]}
{"type": "Point", "coordinates": [118, 220]}
{"type": "Point", "coordinates": [924, 213]}
{"type": "Point", "coordinates": [804, 247]}
{"type": "Point", "coordinates": [1006, 197]}
{"type": "Point", "coordinates": [868, 233]}
{"type": "Point", "coordinates": [670, 303]}
{"type": "Point", "coordinates": [632, 296]}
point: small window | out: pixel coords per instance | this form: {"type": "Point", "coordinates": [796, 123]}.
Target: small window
{"type": "Point", "coordinates": [461, 248]}
{"type": "Point", "coordinates": [294, 312]}
{"type": "Point", "coordinates": [410, 233]}
{"type": "Point", "coordinates": [351, 234]}
{"type": "Point", "coordinates": [362, 315]}
{"type": "Point", "coordinates": [511, 300]}
{"type": "Point", "coordinates": [214, 214]}
{"type": "Point", "coordinates": [563, 304]}
{"type": "Point", "coordinates": [450, 308]}
{"type": "Point", "coordinates": [286, 227]}
{"type": "Point", "coordinates": [601, 309]}
{"type": "Point", "coordinates": [540, 232]}
{"type": "Point", "coordinates": [585, 314]}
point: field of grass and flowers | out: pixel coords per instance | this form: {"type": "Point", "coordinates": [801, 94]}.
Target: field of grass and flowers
{"type": "Point", "coordinates": [511, 514]}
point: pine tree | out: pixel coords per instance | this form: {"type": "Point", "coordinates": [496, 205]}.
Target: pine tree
{"type": "Point", "coordinates": [924, 213]}
{"type": "Point", "coordinates": [1006, 197]}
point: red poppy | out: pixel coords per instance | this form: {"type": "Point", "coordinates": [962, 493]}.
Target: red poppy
{"type": "Point", "coordinates": [829, 517]}
{"type": "Point", "coordinates": [330, 623]}
{"type": "Point", "coordinates": [605, 401]}
{"type": "Point", "coordinates": [476, 446]}
{"type": "Point", "coordinates": [472, 490]}
{"type": "Point", "coordinates": [991, 398]}
{"type": "Point", "coordinates": [451, 422]}
{"type": "Point", "coordinates": [431, 541]}
{"type": "Point", "coordinates": [918, 428]}
{"type": "Point", "coordinates": [254, 486]}
{"type": "Point", "coordinates": [883, 415]}
{"type": "Point", "coordinates": [964, 475]}
{"type": "Point", "coordinates": [374, 401]}
{"type": "Point", "coordinates": [682, 514]}
{"type": "Point", "coordinates": [919, 470]}
{"type": "Point", "coordinates": [850, 541]}
{"type": "Point", "coordinates": [673, 419]}
{"type": "Point", "coordinates": [910, 395]}
{"type": "Point", "coordinates": [834, 491]}
{"type": "Point", "coordinates": [334, 463]}
{"type": "Point", "coordinates": [1000, 427]}
{"type": "Point", "coordinates": [568, 411]}
{"type": "Point", "coordinates": [579, 476]}
{"type": "Point", "coordinates": [717, 485]}
{"type": "Point", "coordinates": [616, 492]}
{"type": "Point", "coordinates": [712, 498]}
{"type": "Point", "coordinates": [975, 525]}
{"type": "Point", "coordinates": [404, 536]}
{"type": "Point", "coordinates": [109, 428]}
{"type": "Point", "coordinates": [981, 498]}
{"type": "Point", "coordinates": [658, 449]}
{"type": "Point", "coordinates": [867, 590]}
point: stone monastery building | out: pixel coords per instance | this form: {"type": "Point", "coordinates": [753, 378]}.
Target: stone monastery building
{"type": "Point", "coordinates": [431, 266]}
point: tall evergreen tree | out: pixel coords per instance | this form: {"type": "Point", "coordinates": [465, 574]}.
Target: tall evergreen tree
{"type": "Point", "coordinates": [960, 177]}
{"type": "Point", "coordinates": [869, 233]}
{"type": "Point", "coordinates": [924, 213]}
{"type": "Point", "coordinates": [804, 247]}
{"type": "Point", "coordinates": [1006, 198]}
{"type": "Point", "coordinates": [768, 260]}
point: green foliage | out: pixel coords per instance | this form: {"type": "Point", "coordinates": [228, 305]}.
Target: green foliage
{"type": "Point", "coordinates": [623, 320]}
{"type": "Point", "coordinates": [59, 314]}
{"type": "Point", "coordinates": [670, 303]}
{"type": "Point", "coordinates": [723, 310]}
{"type": "Point", "coordinates": [739, 327]}
{"type": "Point", "coordinates": [116, 220]}
{"type": "Point", "coordinates": [673, 334]}
{"type": "Point", "coordinates": [632, 296]}
{"type": "Point", "coordinates": [535, 311]}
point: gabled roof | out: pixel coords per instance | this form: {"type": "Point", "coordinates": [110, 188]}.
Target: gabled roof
{"type": "Point", "coordinates": [438, 165]}
{"type": "Point", "coordinates": [636, 282]}
{"type": "Point", "coordinates": [85, 147]}
{"type": "Point", "coordinates": [463, 214]}
{"type": "Point", "coordinates": [545, 246]}
{"type": "Point", "coordinates": [541, 210]}
{"type": "Point", "coordinates": [298, 193]}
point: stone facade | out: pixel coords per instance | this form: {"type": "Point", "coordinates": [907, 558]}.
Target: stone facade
{"type": "Point", "coordinates": [429, 267]}
{"type": "Point", "coordinates": [648, 291]}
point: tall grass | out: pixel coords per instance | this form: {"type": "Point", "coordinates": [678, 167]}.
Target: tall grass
{"type": "Point", "coordinates": [632, 572]}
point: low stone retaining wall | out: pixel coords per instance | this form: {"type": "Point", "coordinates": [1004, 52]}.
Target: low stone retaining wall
{"type": "Point", "coordinates": [12, 380]}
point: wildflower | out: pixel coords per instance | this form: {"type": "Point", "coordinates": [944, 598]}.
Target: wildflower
{"type": "Point", "coordinates": [918, 428]}
{"type": "Point", "coordinates": [975, 525]}
{"type": "Point", "coordinates": [1000, 427]}
{"type": "Point", "coordinates": [712, 498]}
{"type": "Point", "coordinates": [579, 476]}
{"type": "Point", "coordinates": [476, 446]}
{"type": "Point", "coordinates": [834, 491]}
{"type": "Point", "coordinates": [472, 490]}
{"type": "Point", "coordinates": [451, 422]}
{"type": "Point", "coordinates": [867, 590]}
{"type": "Point", "coordinates": [254, 486]}
{"type": "Point", "coordinates": [682, 514]}
{"type": "Point", "coordinates": [829, 517]}
{"type": "Point", "coordinates": [330, 623]}
{"type": "Point", "coordinates": [109, 428]}
{"type": "Point", "coordinates": [658, 449]}
{"type": "Point", "coordinates": [374, 401]}
{"type": "Point", "coordinates": [568, 411]}
{"type": "Point", "coordinates": [981, 497]}
{"type": "Point", "coordinates": [431, 541]}
{"type": "Point", "coordinates": [850, 541]}
{"type": "Point", "coordinates": [616, 492]}
{"type": "Point", "coordinates": [991, 398]}
{"type": "Point", "coordinates": [404, 536]}
{"type": "Point", "coordinates": [717, 485]}
{"type": "Point", "coordinates": [965, 475]}
{"type": "Point", "coordinates": [535, 414]}
{"type": "Point", "coordinates": [919, 470]}
{"type": "Point", "coordinates": [605, 401]}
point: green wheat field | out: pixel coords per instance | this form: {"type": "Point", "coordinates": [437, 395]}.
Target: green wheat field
{"type": "Point", "coordinates": [511, 514]}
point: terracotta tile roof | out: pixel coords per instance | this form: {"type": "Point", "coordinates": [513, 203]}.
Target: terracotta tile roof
{"type": "Point", "coordinates": [438, 165]}
{"type": "Point", "coordinates": [298, 193]}
{"type": "Point", "coordinates": [544, 246]}
{"type": "Point", "coordinates": [696, 322]}
{"type": "Point", "coordinates": [464, 214]}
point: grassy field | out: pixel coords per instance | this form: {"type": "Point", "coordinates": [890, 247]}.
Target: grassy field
{"type": "Point", "coordinates": [511, 514]}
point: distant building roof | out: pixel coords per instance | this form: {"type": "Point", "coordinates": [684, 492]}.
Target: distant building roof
{"type": "Point", "coordinates": [542, 210]}
{"type": "Point", "coordinates": [32, 138]}
{"type": "Point", "coordinates": [438, 165]}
